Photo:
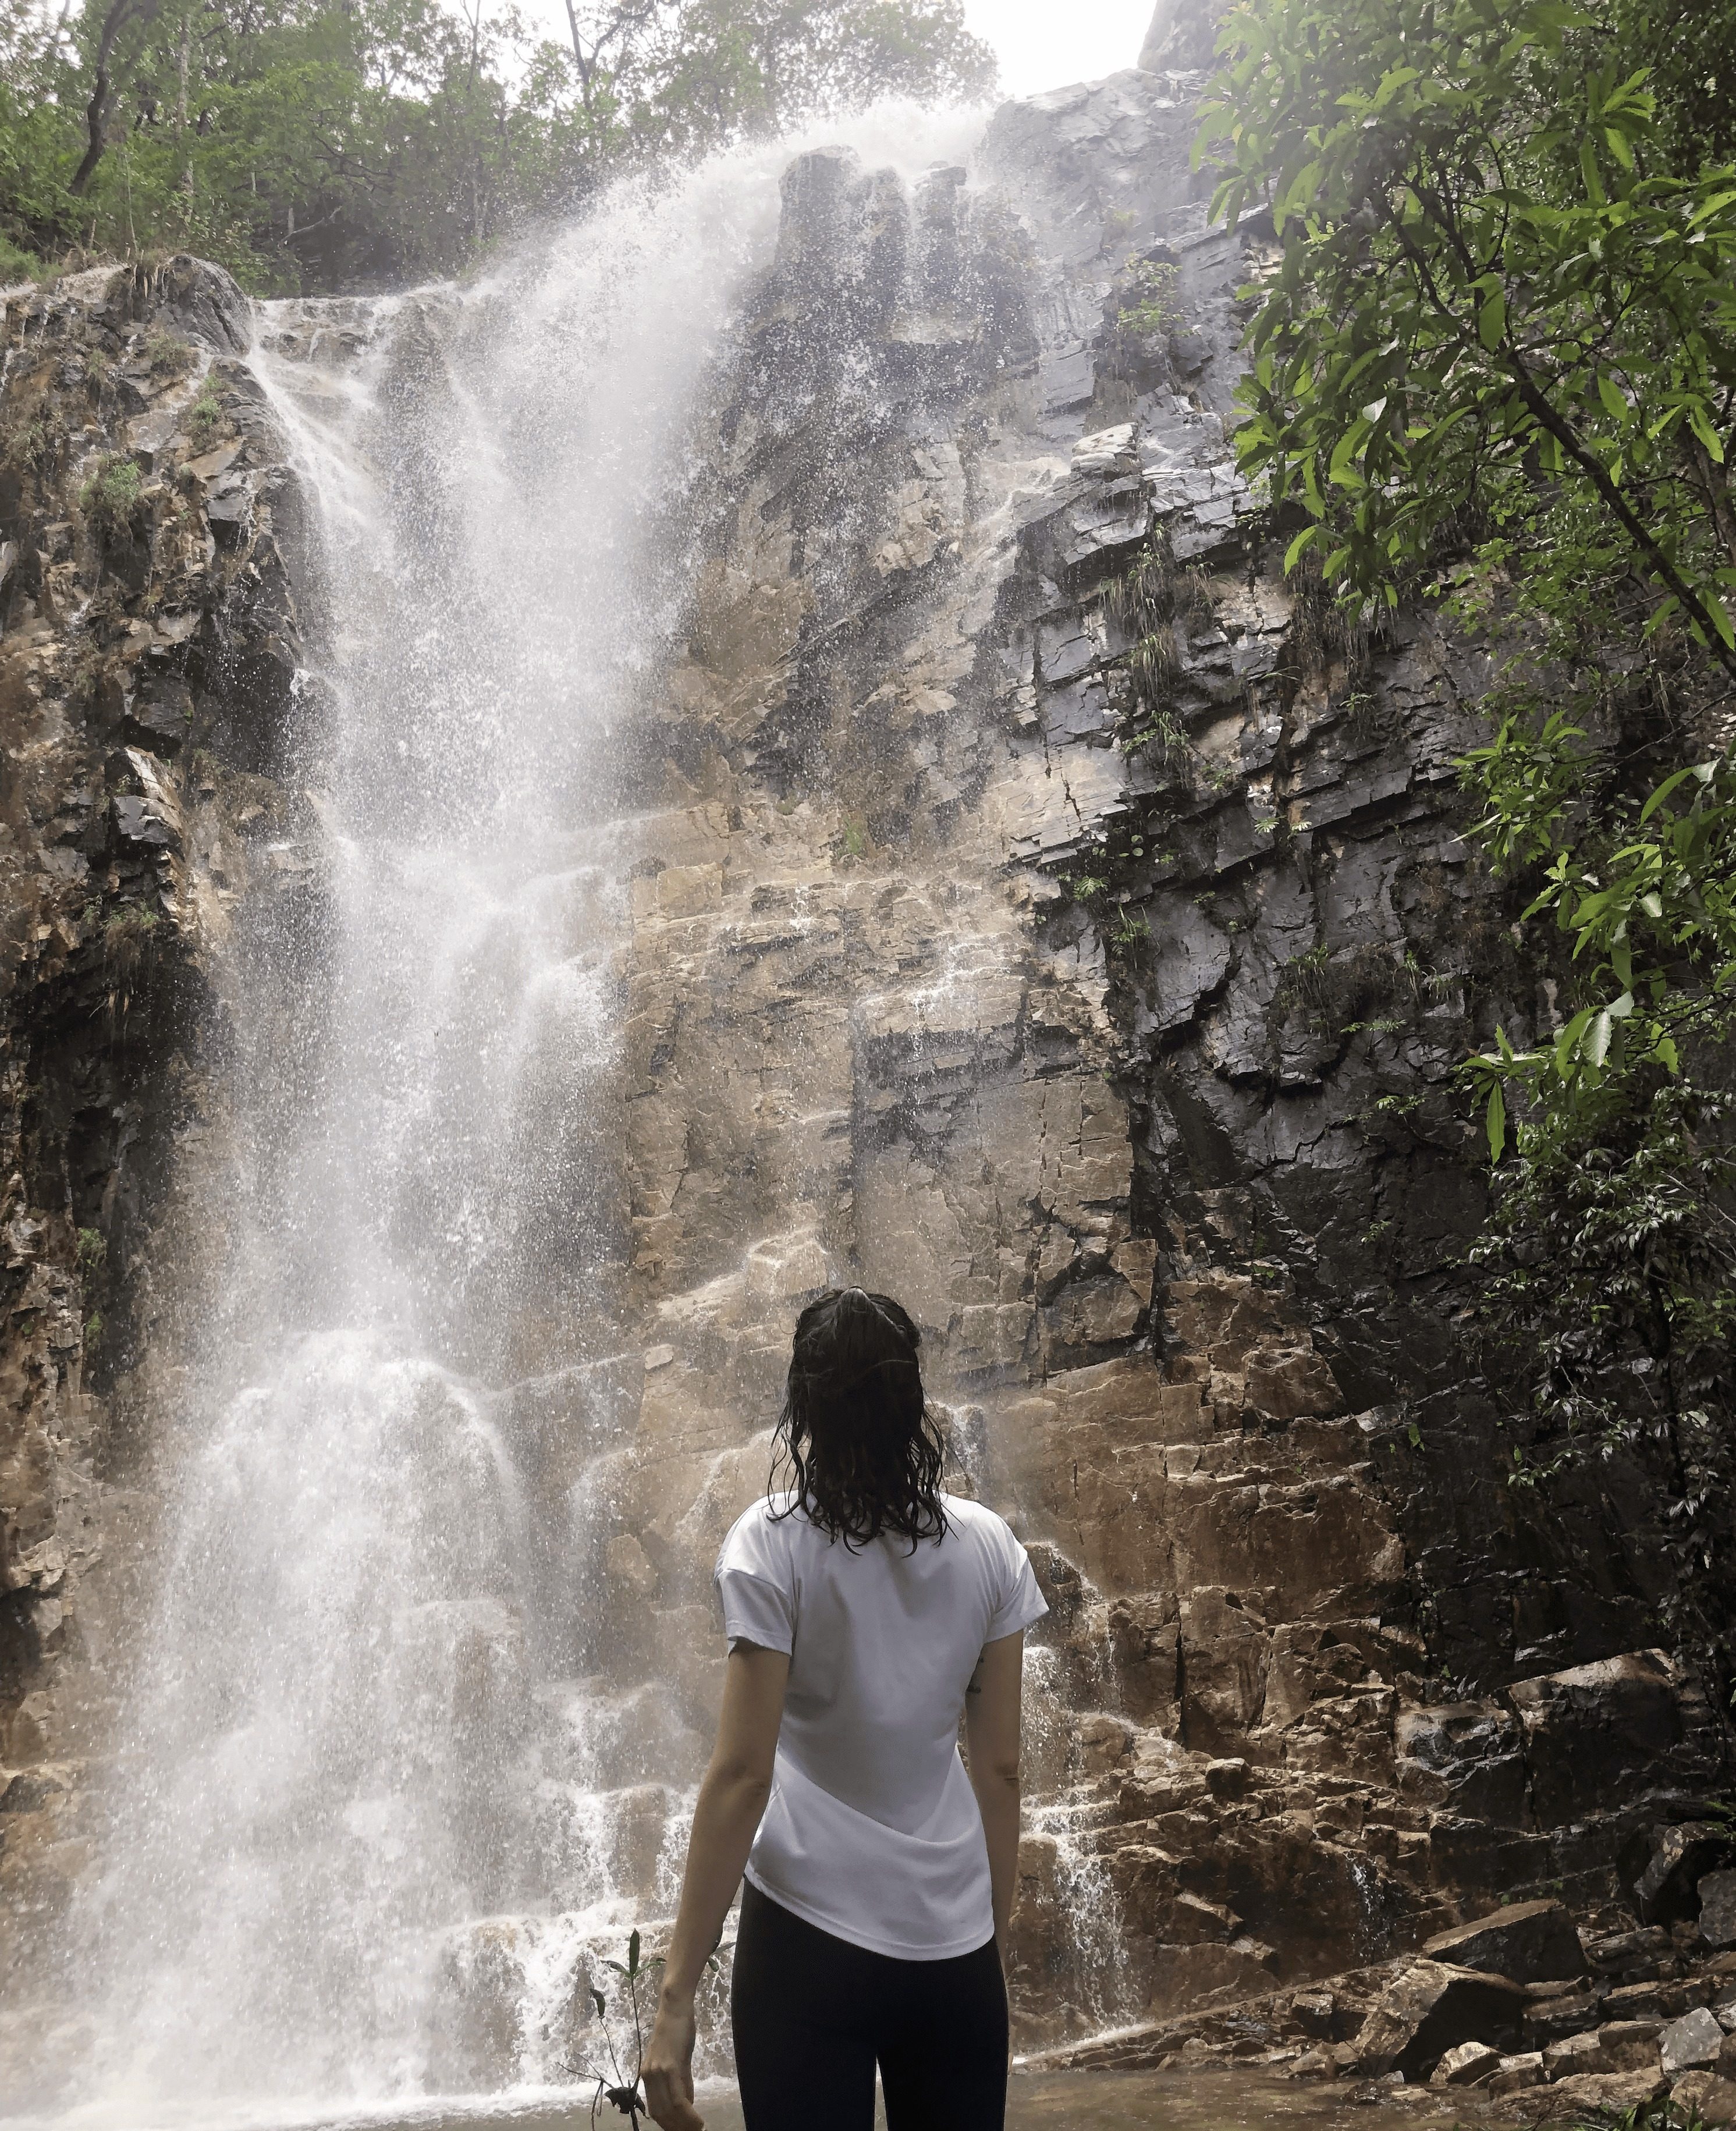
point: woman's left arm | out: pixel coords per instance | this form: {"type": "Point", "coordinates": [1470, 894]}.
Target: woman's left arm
{"type": "Point", "coordinates": [732, 1799]}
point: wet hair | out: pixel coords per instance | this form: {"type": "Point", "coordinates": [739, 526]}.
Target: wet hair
{"type": "Point", "coordinates": [856, 1431]}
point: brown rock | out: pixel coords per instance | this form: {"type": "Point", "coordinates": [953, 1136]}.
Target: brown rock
{"type": "Point", "coordinates": [1707, 2095]}
{"type": "Point", "coordinates": [1630, 2045]}
{"type": "Point", "coordinates": [1468, 2064]}
{"type": "Point", "coordinates": [1315, 2064]}
{"type": "Point", "coordinates": [1665, 2000]}
{"type": "Point", "coordinates": [1576, 2054]}
{"type": "Point", "coordinates": [1431, 2009]}
{"type": "Point", "coordinates": [1612, 2090]}
{"type": "Point", "coordinates": [1550, 2019]}
{"type": "Point", "coordinates": [1531, 1941]}
{"type": "Point", "coordinates": [1513, 2074]}
{"type": "Point", "coordinates": [1606, 1730]}
{"type": "Point", "coordinates": [1313, 2012]}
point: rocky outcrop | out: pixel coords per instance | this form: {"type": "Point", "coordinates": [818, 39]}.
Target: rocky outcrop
{"type": "Point", "coordinates": [148, 650]}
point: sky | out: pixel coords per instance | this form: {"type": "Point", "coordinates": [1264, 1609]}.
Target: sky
{"type": "Point", "coordinates": [1046, 44]}
{"type": "Point", "coordinates": [1041, 44]}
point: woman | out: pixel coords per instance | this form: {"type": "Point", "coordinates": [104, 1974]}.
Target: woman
{"type": "Point", "coordinates": [866, 1609]}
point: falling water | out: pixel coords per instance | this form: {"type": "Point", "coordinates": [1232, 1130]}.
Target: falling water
{"type": "Point", "coordinates": [370, 1808]}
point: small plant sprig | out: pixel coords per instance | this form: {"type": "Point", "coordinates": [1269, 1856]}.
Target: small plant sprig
{"type": "Point", "coordinates": [638, 1972]}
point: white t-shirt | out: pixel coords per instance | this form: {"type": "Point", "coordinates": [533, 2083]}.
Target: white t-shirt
{"type": "Point", "coordinates": [873, 1831]}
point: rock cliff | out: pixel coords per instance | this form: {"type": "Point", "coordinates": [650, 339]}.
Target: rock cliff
{"type": "Point", "coordinates": [1039, 908]}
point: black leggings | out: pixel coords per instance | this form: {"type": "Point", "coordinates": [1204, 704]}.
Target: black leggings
{"type": "Point", "coordinates": [813, 2015]}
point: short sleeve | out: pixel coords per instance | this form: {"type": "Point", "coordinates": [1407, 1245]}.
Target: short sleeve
{"type": "Point", "coordinates": [754, 1591]}
{"type": "Point", "coordinates": [1021, 1602]}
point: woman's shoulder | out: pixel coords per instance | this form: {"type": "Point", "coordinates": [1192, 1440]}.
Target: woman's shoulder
{"type": "Point", "coordinates": [976, 1521]}
{"type": "Point", "coordinates": [762, 1534]}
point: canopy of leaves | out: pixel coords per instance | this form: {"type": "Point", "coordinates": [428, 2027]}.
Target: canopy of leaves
{"type": "Point", "coordinates": [1499, 335]}
{"type": "Point", "coordinates": [323, 144]}
{"type": "Point", "coordinates": [1493, 364]}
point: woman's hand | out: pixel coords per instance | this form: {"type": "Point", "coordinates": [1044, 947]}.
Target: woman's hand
{"type": "Point", "coordinates": [668, 2068]}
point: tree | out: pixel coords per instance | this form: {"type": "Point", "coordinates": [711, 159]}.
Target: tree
{"type": "Point", "coordinates": [320, 144]}
{"type": "Point", "coordinates": [1501, 334]}
{"type": "Point", "coordinates": [1493, 364]}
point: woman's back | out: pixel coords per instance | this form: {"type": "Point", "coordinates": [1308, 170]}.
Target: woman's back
{"type": "Point", "coordinates": [883, 1637]}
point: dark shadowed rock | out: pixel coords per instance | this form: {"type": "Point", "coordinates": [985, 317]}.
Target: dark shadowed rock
{"type": "Point", "coordinates": [1682, 1856]}
{"type": "Point", "coordinates": [1431, 2008]}
{"type": "Point", "coordinates": [1627, 1725]}
{"type": "Point", "coordinates": [1531, 1941]}
{"type": "Point", "coordinates": [1717, 1893]}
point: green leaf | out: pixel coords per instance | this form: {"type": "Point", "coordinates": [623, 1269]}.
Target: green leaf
{"type": "Point", "coordinates": [1597, 1043]}
{"type": "Point", "coordinates": [1658, 797]}
{"type": "Point", "coordinates": [1494, 1123]}
{"type": "Point", "coordinates": [1300, 545]}
{"type": "Point", "coordinates": [598, 1999]}
{"type": "Point", "coordinates": [1492, 318]}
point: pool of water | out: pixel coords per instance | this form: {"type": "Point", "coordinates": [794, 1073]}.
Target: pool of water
{"type": "Point", "coordinates": [1209, 2101]}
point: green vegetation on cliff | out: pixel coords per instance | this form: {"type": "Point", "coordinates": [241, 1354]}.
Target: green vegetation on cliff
{"type": "Point", "coordinates": [1494, 366]}
{"type": "Point", "coordinates": [320, 144]}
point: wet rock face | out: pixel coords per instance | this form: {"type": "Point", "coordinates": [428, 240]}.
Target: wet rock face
{"type": "Point", "coordinates": [148, 642]}
{"type": "Point", "coordinates": [1120, 1045]}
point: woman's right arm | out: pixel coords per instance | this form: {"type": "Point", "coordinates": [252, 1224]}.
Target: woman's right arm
{"type": "Point", "coordinates": [992, 1741]}
{"type": "Point", "coordinates": [732, 1799]}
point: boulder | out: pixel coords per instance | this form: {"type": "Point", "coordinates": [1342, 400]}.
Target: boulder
{"type": "Point", "coordinates": [1690, 2043]}
{"type": "Point", "coordinates": [1313, 2012]}
{"type": "Point", "coordinates": [1611, 2091]}
{"type": "Point", "coordinates": [1667, 2000]}
{"type": "Point", "coordinates": [1717, 1893]}
{"type": "Point", "coordinates": [1570, 2012]}
{"type": "Point", "coordinates": [1531, 1941]}
{"type": "Point", "coordinates": [1468, 2064]}
{"type": "Point", "coordinates": [1624, 1726]}
{"type": "Point", "coordinates": [1575, 2054]}
{"type": "Point", "coordinates": [1431, 2009]}
{"type": "Point", "coordinates": [1704, 2094]}
{"type": "Point", "coordinates": [1630, 2045]}
{"type": "Point", "coordinates": [1681, 1855]}
{"type": "Point", "coordinates": [1514, 2074]}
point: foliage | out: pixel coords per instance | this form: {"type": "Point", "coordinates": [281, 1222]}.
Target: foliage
{"type": "Point", "coordinates": [1152, 600]}
{"type": "Point", "coordinates": [310, 143]}
{"type": "Point", "coordinates": [1494, 366]}
{"type": "Point", "coordinates": [1608, 1270]}
{"type": "Point", "coordinates": [110, 496]}
{"type": "Point", "coordinates": [621, 2090]}
{"type": "Point", "coordinates": [1496, 360]}
{"type": "Point", "coordinates": [1489, 290]}
{"type": "Point", "coordinates": [1156, 307]}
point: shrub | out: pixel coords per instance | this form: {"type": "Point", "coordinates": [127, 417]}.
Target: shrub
{"type": "Point", "coordinates": [110, 497]}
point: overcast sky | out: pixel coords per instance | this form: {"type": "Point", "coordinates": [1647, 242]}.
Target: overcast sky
{"type": "Point", "coordinates": [1045, 44]}
{"type": "Point", "coordinates": [1041, 44]}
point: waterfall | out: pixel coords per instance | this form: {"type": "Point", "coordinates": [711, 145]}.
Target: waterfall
{"type": "Point", "coordinates": [369, 1807]}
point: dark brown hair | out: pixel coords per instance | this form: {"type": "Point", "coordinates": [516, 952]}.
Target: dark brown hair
{"type": "Point", "coordinates": [855, 1430]}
